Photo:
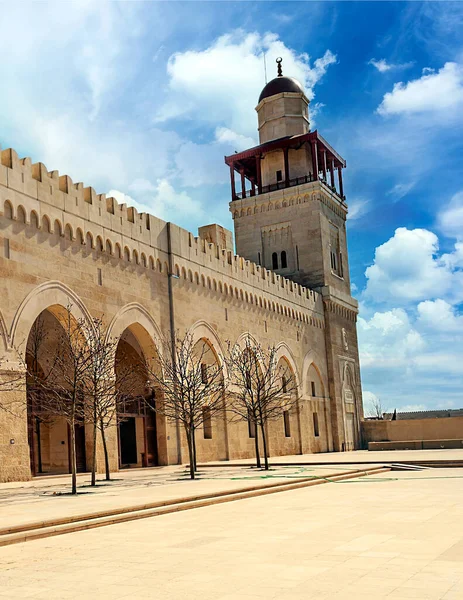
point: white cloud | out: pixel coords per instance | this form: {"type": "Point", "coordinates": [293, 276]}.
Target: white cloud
{"type": "Point", "coordinates": [219, 84]}
{"type": "Point", "coordinates": [408, 268]}
{"type": "Point", "coordinates": [450, 219]}
{"type": "Point", "coordinates": [400, 190]}
{"type": "Point", "coordinates": [439, 314]}
{"type": "Point", "coordinates": [388, 339]}
{"type": "Point", "coordinates": [431, 93]}
{"type": "Point", "coordinates": [357, 209]}
{"type": "Point", "coordinates": [162, 200]}
{"type": "Point", "coordinates": [383, 66]}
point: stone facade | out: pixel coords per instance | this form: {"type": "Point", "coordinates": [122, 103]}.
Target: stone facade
{"type": "Point", "coordinates": [62, 245]}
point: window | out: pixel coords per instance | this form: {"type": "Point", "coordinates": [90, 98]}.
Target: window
{"type": "Point", "coordinates": [284, 263]}
{"type": "Point", "coordinates": [204, 378]}
{"type": "Point", "coordinates": [297, 258]}
{"type": "Point", "coordinates": [287, 423]}
{"type": "Point", "coordinates": [335, 251]}
{"type": "Point", "coordinates": [6, 247]}
{"type": "Point", "coordinates": [100, 277]}
{"type": "Point", "coordinates": [207, 423]}
{"type": "Point", "coordinates": [279, 176]}
{"type": "Point", "coordinates": [251, 425]}
{"type": "Point", "coordinates": [258, 258]}
{"type": "Point", "coordinates": [284, 385]}
{"type": "Point", "coordinates": [312, 383]}
{"type": "Point", "coordinates": [316, 431]}
{"type": "Point", "coordinates": [274, 260]}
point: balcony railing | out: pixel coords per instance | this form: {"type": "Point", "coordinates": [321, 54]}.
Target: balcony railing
{"type": "Point", "coordinates": [281, 185]}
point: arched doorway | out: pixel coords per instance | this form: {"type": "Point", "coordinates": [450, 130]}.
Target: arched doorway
{"type": "Point", "coordinates": [48, 430]}
{"type": "Point", "coordinates": [141, 431]}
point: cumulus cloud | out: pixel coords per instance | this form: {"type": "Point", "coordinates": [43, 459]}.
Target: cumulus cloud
{"type": "Point", "coordinates": [440, 315]}
{"type": "Point", "coordinates": [383, 66]}
{"type": "Point", "coordinates": [220, 83]}
{"type": "Point", "coordinates": [408, 267]}
{"type": "Point", "coordinates": [431, 93]}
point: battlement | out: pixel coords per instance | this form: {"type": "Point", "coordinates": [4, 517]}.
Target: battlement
{"type": "Point", "coordinates": [31, 194]}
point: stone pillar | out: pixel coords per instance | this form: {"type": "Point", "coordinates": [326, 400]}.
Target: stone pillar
{"type": "Point", "coordinates": [243, 184]}
{"type": "Point", "coordinates": [315, 160]}
{"type": "Point", "coordinates": [15, 462]}
{"type": "Point", "coordinates": [341, 188]}
{"type": "Point", "coordinates": [259, 174]}
{"type": "Point", "coordinates": [232, 181]}
{"type": "Point", "coordinates": [324, 163]}
{"type": "Point", "coordinates": [332, 173]}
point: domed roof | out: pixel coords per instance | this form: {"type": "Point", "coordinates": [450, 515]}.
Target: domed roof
{"type": "Point", "coordinates": [281, 84]}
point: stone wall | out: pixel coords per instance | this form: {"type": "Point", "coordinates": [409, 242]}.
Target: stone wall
{"type": "Point", "coordinates": [62, 244]}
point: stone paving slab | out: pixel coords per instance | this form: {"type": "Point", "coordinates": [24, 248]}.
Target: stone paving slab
{"type": "Point", "coordinates": [45, 499]}
{"type": "Point", "coordinates": [396, 536]}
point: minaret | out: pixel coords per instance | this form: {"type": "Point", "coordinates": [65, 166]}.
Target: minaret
{"type": "Point", "coordinates": [289, 213]}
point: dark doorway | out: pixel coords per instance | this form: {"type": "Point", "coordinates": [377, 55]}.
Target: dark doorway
{"type": "Point", "coordinates": [128, 441]}
{"type": "Point", "coordinates": [81, 461]}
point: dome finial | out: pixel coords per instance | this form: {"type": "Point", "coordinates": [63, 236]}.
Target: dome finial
{"type": "Point", "coordinates": [280, 69]}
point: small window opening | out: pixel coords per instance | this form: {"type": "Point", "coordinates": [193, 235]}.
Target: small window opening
{"type": "Point", "coordinates": [274, 260]}
{"type": "Point", "coordinates": [284, 385]}
{"type": "Point", "coordinates": [100, 277]}
{"type": "Point", "coordinates": [284, 263]}
{"type": "Point", "coordinates": [297, 258]}
{"type": "Point", "coordinates": [258, 258]}
{"type": "Point", "coordinates": [312, 383]}
{"type": "Point", "coordinates": [316, 430]}
{"type": "Point", "coordinates": [204, 378]}
{"type": "Point", "coordinates": [279, 176]}
{"type": "Point", "coordinates": [226, 314]}
{"type": "Point", "coordinates": [287, 423]}
{"type": "Point", "coordinates": [6, 248]}
{"type": "Point", "coordinates": [207, 423]}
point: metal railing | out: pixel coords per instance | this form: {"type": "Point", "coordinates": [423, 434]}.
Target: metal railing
{"type": "Point", "coordinates": [281, 185]}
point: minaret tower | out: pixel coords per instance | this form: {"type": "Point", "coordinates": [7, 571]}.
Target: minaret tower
{"type": "Point", "coordinates": [289, 213]}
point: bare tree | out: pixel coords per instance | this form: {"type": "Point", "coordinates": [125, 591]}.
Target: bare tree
{"type": "Point", "coordinates": [102, 392]}
{"type": "Point", "coordinates": [260, 390]}
{"type": "Point", "coordinates": [376, 408]}
{"type": "Point", "coordinates": [61, 393]}
{"type": "Point", "coordinates": [188, 390]}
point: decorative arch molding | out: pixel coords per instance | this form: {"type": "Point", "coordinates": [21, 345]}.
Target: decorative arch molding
{"type": "Point", "coordinates": [135, 314]}
{"type": "Point", "coordinates": [4, 337]}
{"type": "Point", "coordinates": [313, 358]}
{"type": "Point", "coordinates": [242, 338]}
{"type": "Point", "coordinates": [45, 295]}
{"type": "Point", "coordinates": [283, 351]}
{"type": "Point", "coordinates": [201, 330]}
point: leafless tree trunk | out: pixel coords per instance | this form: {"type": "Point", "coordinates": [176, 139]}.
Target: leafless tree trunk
{"type": "Point", "coordinates": [260, 389]}
{"type": "Point", "coordinates": [189, 389]}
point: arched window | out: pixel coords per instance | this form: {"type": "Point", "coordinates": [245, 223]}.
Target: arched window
{"type": "Point", "coordinates": [274, 260]}
{"type": "Point", "coordinates": [284, 263]}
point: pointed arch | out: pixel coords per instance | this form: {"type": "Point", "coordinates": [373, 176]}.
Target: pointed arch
{"type": "Point", "coordinates": [134, 314]}
{"type": "Point", "coordinates": [52, 295]}
{"type": "Point", "coordinates": [312, 359]}
{"type": "Point", "coordinates": [202, 330]}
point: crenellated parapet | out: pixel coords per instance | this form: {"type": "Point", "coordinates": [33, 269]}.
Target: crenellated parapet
{"type": "Point", "coordinates": [55, 205]}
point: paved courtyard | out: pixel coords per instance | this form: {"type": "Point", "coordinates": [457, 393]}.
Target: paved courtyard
{"type": "Point", "coordinates": [396, 535]}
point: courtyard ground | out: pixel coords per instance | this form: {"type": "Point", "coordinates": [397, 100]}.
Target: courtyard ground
{"type": "Point", "coordinates": [395, 535]}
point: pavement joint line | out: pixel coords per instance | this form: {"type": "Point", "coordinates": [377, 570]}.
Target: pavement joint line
{"type": "Point", "coordinates": [32, 531]}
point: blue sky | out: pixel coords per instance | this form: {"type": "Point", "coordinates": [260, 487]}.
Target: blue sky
{"type": "Point", "coordinates": [144, 100]}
